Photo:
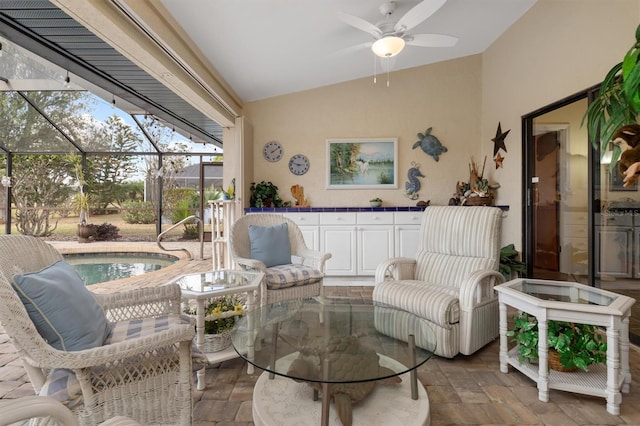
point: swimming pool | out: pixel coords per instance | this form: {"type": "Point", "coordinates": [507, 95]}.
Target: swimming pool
{"type": "Point", "coordinates": [108, 266]}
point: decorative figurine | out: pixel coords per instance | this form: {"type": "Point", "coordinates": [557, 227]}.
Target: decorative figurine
{"type": "Point", "coordinates": [298, 193]}
{"type": "Point", "coordinates": [430, 144]}
{"type": "Point", "coordinates": [345, 363]}
{"type": "Point", "coordinates": [412, 186]}
{"type": "Point", "coordinates": [231, 192]}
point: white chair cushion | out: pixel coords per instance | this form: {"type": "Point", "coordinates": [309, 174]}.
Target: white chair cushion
{"type": "Point", "coordinates": [291, 275]}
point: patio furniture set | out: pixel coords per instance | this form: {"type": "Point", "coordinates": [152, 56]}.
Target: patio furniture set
{"type": "Point", "coordinates": [130, 359]}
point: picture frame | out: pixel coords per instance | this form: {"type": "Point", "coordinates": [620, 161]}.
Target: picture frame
{"type": "Point", "coordinates": [616, 181]}
{"type": "Point", "coordinates": [362, 163]}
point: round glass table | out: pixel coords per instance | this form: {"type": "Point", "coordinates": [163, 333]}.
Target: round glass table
{"type": "Point", "coordinates": [346, 350]}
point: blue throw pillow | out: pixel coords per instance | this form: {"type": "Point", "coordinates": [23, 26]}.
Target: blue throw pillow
{"type": "Point", "coordinates": [63, 310]}
{"type": "Point", "coordinates": [270, 244]}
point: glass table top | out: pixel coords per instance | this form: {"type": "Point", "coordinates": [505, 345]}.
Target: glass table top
{"type": "Point", "coordinates": [215, 281]}
{"type": "Point", "coordinates": [334, 340]}
{"type": "Point", "coordinates": [562, 291]}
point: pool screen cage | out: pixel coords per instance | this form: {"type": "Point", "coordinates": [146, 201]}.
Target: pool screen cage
{"type": "Point", "coordinates": [62, 138]}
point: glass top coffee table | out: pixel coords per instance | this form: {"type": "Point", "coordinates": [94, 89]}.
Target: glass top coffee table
{"type": "Point", "coordinates": [350, 350]}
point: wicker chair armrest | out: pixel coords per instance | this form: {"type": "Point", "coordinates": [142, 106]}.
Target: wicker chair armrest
{"type": "Point", "coordinates": [313, 258]}
{"type": "Point", "coordinates": [53, 358]}
{"type": "Point", "coordinates": [477, 289]}
{"type": "Point", "coordinates": [141, 303]}
{"type": "Point", "coordinates": [396, 268]}
{"type": "Point", "coordinates": [31, 407]}
{"type": "Point", "coordinates": [250, 264]}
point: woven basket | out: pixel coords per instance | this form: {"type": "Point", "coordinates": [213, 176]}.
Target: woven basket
{"type": "Point", "coordinates": [479, 201]}
{"type": "Point", "coordinates": [216, 342]}
{"type": "Point", "coordinates": [554, 362]}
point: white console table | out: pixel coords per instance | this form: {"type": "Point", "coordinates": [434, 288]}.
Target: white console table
{"type": "Point", "coordinates": [572, 302]}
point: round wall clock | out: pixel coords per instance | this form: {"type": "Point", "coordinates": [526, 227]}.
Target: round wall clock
{"type": "Point", "coordinates": [299, 164]}
{"type": "Point", "coordinates": [272, 151]}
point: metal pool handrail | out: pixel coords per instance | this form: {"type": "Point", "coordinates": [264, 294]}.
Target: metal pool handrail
{"type": "Point", "coordinates": [200, 236]}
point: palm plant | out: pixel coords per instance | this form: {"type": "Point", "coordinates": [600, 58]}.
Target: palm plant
{"type": "Point", "coordinates": [618, 100]}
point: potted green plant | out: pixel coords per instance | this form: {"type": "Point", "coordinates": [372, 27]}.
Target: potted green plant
{"type": "Point", "coordinates": [264, 194]}
{"type": "Point", "coordinates": [85, 230]}
{"type": "Point", "coordinates": [571, 346]}
{"type": "Point", "coordinates": [618, 100]}
{"type": "Point", "coordinates": [510, 264]}
{"type": "Point", "coordinates": [375, 202]}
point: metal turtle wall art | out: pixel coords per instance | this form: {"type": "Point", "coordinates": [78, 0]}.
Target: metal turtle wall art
{"type": "Point", "coordinates": [430, 144]}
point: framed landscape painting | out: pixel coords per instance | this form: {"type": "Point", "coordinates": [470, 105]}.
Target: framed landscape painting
{"type": "Point", "coordinates": [362, 163]}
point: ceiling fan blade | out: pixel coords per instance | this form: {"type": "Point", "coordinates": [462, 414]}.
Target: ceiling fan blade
{"type": "Point", "coordinates": [352, 49]}
{"type": "Point", "coordinates": [417, 14]}
{"type": "Point", "coordinates": [431, 40]}
{"type": "Point", "coordinates": [360, 24]}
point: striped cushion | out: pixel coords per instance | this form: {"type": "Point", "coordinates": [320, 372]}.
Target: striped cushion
{"type": "Point", "coordinates": [62, 385]}
{"type": "Point", "coordinates": [438, 304]}
{"type": "Point", "coordinates": [291, 275]}
{"type": "Point", "coordinates": [132, 329]}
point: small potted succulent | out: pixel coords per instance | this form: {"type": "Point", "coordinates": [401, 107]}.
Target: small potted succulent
{"type": "Point", "coordinates": [571, 345]}
{"type": "Point", "coordinates": [375, 202]}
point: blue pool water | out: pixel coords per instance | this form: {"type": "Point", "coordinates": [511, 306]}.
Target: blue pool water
{"type": "Point", "coordinates": [100, 267]}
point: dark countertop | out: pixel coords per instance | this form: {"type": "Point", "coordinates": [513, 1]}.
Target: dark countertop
{"type": "Point", "coordinates": [338, 209]}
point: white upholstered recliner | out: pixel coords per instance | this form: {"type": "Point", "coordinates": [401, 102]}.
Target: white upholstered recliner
{"type": "Point", "coordinates": [450, 282]}
{"type": "Point", "coordinates": [300, 271]}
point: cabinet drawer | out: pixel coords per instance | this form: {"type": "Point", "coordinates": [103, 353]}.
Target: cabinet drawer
{"type": "Point", "coordinates": [408, 218]}
{"type": "Point", "coordinates": [338, 219]}
{"type": "Point", "coordinates": [613, 220]}
{"type": "Point", "coordinates": [375, 218]}
{"type": "Point", "coordinates": [303, 219]}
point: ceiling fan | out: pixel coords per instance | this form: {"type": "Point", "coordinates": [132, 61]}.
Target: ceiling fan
{"type": "Point", "coordinates": [391, 37]}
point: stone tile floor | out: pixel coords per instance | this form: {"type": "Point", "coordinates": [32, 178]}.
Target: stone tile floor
{"type": "Point", "coordinates": [466, 390]}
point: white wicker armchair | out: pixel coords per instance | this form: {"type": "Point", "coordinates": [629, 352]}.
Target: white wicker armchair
{"type": "Point", "coordinates": [146, 375]}
{"type": "Point", "coordinates": [303, 277]}
{"type": "Point", "coordinates": [34, 407]}
{"type": "Point", "coordinates": [450, 282]}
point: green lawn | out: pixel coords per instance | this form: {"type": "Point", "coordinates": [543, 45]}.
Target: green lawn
{"type": "Point", "coordinates": [67, 226]}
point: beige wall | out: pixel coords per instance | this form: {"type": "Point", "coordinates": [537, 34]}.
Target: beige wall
{"type": "Point", "coordinates": [445, 96]}
{"type": "Point", "coordinates": [558, 48]}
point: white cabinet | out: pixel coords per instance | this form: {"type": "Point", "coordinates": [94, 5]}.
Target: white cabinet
{"type": "Point", "coordinates": [308, 223]}
{"type": "Point", "coordinates": [407, 231]}
{"type": "Point", "coordinates": [375, 240]}
{"type": "Point", "coordinates": [614, 246]}
{"type": "Point", "coordinates": [359, 241]}
{"type": "Point", "coordinates": [338, 237]}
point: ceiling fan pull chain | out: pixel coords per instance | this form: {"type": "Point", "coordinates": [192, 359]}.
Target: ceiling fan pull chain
{"type": "Point", "coordinates": [375, 69]}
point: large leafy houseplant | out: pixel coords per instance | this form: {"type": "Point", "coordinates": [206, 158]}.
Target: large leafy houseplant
{"type": "Point", "coordinates": [618, 100]}
{"type": "Point", "coordinates": [578, 345]}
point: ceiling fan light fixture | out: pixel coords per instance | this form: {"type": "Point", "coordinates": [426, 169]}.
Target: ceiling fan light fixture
{"type": "Point", "coordinates": [388, 46]}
